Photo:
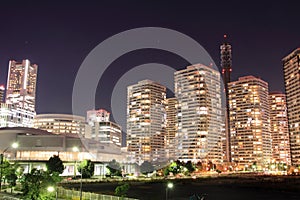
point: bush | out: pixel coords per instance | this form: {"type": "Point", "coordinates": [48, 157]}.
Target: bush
{"type": "Point", "coordinates": [122, 190]}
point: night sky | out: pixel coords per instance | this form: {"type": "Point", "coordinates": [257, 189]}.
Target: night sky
{"type": "Point", "coordinates": [58, 36]}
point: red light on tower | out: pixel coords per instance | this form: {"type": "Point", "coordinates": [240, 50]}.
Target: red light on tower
{"type": "Point", "coordinates": [225, 36]}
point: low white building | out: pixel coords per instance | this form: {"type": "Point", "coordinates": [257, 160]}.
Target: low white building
{"type": "Point", "coordinates": [37, 146]}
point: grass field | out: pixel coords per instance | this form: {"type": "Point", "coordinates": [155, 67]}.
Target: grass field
{"type": "Point", "coordinates": [233, 188]}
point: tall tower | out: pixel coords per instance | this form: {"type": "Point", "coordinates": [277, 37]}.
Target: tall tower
{"type": "Point", "coordinates": [198, 92]}
{"type": "Point", "coordinates": [291, 70]}
{"type": "Point", "coordinates": [279, 128]}
{"type": "Point", "coordinates": [146, 121]}
{"type": "Point", "coordinates": [171, 127]}
{"type": "Point", "coordinates": [21, 84]}
{"type": "Point", "coordinates": [226, 64]}
{"type": "Point", "coordinates": [249, 122]}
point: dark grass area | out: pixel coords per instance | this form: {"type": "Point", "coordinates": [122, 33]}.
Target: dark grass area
{"type": "Point", "coordinates": [233, 188]}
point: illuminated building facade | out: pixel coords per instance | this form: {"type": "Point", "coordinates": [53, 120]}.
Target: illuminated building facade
{"type": "Point", "coordinates": [102, 129]}
{"type": "Point", "coordinates": [14, 116]}
{"type": "Point", "coordinates": [100, 115]}
{"type": "Point", "coordinates": [291, 68]}
{"type": "Point", "coordinates": [279, 128]}
{"type": "Point", "coordinates": [249, 122]}
{"type": "Point", "coordinates": [226, 64]}
{"type": "Point", "coordinates": [198, 92]}
{"type": "Point", "coordinates": [21, 84]}
{"type": "Point", "coordinates": [61, 124]}
{"type": "Point", "coordinates": [171, 127]}
{"type": "Point", "coordinates": [146, 121]}
{"type": "Point", "coordinates": [2, 94]}
{"type": "Point", "coordinates": [36, 146]}
{"type": "Point", "coordinates": [19, 107]}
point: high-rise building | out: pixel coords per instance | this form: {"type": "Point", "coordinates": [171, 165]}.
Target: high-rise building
{"type": "Point", "coordinates": [249, 122]}
{"type": "Point", "coordinates": [2, 94]}
{"type": "Point", "coordinates": [291, 68]}
{"type": "Point", "coordinates": [102, 129]}
{"type": "Point", "coordinates": [226, 64]}
{"type": "Point", "coordinates": [198, 92]}
{"type": "Point", "coordinates": [146, 121]}
{"type": "Point", "coordinates": [279, 128]}
{"type": "Point", "coordinates": [171, 127]}
{"type": "Point", "coordinates": [21, 84]}
{"type": "Point", "coordinates": [19, 107]}
{"type": "Point", "coordinates": [61, 124]}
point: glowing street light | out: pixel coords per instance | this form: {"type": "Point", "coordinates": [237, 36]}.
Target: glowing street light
{"type": "Point", "coordinates": [169, 186]}
{"type": "Point", "coordinates": [15, 145]}
{"type": "Point", "coordinates": [52, 189]}
{"type": "Point", "coordinates": [75, 149]}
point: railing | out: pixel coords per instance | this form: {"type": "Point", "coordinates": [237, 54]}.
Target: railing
{"type": "Point", "coordinates": [8, 197]}
{"type": "Point", "coordinates": [75, 195]}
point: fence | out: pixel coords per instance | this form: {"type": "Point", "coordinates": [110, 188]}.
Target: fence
{"type": "Point", "coordinates": [8, 197]}
{"type": "Point", "coordinates": [75, 195]}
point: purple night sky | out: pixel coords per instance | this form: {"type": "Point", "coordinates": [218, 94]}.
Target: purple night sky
{"type": "Point", "coordinates": [58, 36]}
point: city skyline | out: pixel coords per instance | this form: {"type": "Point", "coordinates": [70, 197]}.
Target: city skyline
{"type": "Point", "coordinates": [58, 47]}
{"type": "Point", "coordinates": [168, 96]}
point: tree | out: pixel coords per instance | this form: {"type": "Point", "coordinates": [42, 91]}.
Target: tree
{"type": "Point", "coordinates": [174, 167]}
{"type": "Point", "coordinates": [146, 167]}
{"type": "Point", "coordinates": [6, 168]}
{"type": "Point", "coordinates": [12, 180]}
{"type": "Point", "coordinates": [210, 165]}
{"type": "Point", "coordinates": [166, 171]}
{"type": "Point", "coordinates": [114, 168]}
{"type": "Point", "coordinates": [9, 173]}
{"type": "Point", "coordinates": [55, 164]}
{"type": "Point", "coordinates": [190, 167]}
{"type": "Point", "coordinates": [199, 166]}
{"type": "Point", "coordinates": [20, 171]}
{"type": "Point", "coordinates": [86, 168]}
{"type": "Point", "coordinates": [35, 184]}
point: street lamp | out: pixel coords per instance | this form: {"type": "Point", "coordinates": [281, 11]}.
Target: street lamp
{"type": "Point", "coordinates": [14, 146]}
{"type": "Point", "coordinates": [76, 149]}
{"type": "Point", "coordinates": [52, 189]}
{"type": "Point", "coordinates": [169, 186]}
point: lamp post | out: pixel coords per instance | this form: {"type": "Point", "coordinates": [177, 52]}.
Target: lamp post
{"type": "Point", "coordinates": [14, 145]}
{"type": "Point", "coordinates": [76, 149]}
{"type": "Point", "coordinates": [169, 186]}
{"type": "Point", "coordinates": [80, 183]}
